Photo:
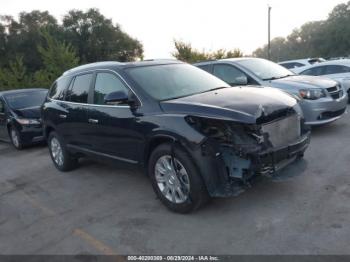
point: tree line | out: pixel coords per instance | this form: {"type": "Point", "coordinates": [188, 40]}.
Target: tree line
{"type": "Point", "coordinates": [185, 52]}
{"type": "Point", "coordinates": [35, 49]}
{"type": "Point", "coordinates": [327, 38]}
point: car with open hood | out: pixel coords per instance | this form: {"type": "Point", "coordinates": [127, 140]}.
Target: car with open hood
{"type": "Point", "coordinates": [195, 136]}
{"type": "Point", "coordinates": [20, 119]}
{"type": "Point", "coordinates": [322, 100]}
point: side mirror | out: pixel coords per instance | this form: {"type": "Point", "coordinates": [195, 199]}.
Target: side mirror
{"type": "Point", "coordinates": [240, 81]}
{"type": "Point", "coordinates": [116, 98]}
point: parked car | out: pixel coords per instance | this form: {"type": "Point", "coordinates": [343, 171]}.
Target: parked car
{"type": "Point", "coordinates": [20, 121]}
{"type": "Point", "coordinates": [196, 136]}
{"type": "Point", "coordinates": [323, 100]}
{"type": "Point", "coordinates": [338, 70]}
{"type": "Point", "coordinates": [294, 65]}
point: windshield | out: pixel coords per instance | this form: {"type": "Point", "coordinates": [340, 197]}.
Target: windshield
{"type": "Point", "coordinates": [164, 82]}
{"type": "Point", "coordinates": [26, 99]}
{"type": "Point", "coordinates": [265, 69]}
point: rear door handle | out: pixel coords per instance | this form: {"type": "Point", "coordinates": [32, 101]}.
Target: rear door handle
{"type": "Point", "coordinates": [93, 121]}
{"type": "Point", "coordinates": [62, 116]}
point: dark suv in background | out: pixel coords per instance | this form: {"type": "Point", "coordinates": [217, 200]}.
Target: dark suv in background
{"type": "Point", "coordinates": [196, 136]}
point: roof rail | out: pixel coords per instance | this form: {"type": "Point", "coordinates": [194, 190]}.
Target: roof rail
{"type": "Point", "coordinates": [90, 65]}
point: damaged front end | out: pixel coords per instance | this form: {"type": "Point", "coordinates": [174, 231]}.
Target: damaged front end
{"type": "Point", "coordinates": [237, 152]}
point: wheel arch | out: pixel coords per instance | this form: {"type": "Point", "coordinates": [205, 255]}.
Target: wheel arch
{"type": "Point", "coordinates": [10, 124]}
{"type": "Point", "coordinates": [153, 143]}
{"type": "Point", "coordinates": [159, 139]}
{"type": "Point", "coordinates": [47, 130]}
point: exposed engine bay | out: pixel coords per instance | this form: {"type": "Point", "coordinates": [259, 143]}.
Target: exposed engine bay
{"type": "Point", "coordinates": [247, 150]}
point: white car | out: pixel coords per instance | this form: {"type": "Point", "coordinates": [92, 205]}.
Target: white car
{"type": "Point", "coordinates": [293, 65]}
{"type": "Point", "coordinates": [338, 70]}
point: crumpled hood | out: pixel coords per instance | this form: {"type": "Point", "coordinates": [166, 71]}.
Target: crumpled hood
{"type": "Point", "coordinates": [31, 112]}
{"type": "Point", "coordinates": [243, 104]}
{"type": "Point", "coordinates": [303, 81]}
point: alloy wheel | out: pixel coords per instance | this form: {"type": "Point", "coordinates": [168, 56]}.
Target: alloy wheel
{"type": "Point", "coordinates": [173, 182]}
{"type": "Point", "coordinates": [56, 151]}
{"type": "Point", "coordinates": [15, 138]}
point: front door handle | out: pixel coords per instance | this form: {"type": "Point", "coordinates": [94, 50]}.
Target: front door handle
{"type": "Point", "coordinates": [93, 121]}
{"type": "Point", "coordinates": [62, 116]}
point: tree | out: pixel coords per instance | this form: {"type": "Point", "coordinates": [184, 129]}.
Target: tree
{"type": "Point", "coordinates": [96, 38]}
{"type": "Point", "coordinates": [2, 43]}
{"type": "Point", "coordinates": [57, 57]}
{"type": "Point", "coordinates": [338, 30]}
{"type": "Point", "coordinates": [327, 38]}
{"type": "Point", "coordinates": [24, 35]}
{"type": "Point", "coordinates": [234, 53]}
{"type": "Point", "coordinates": [278, 49]}
{"type": "Point", "coordinates": [93, 36]}
{"type": "Point", "coordinates": [16, 76]}
{"type": "Point", "coordinates": [35, 49]}
{"type": "Point", "coordinates": [185, 52]}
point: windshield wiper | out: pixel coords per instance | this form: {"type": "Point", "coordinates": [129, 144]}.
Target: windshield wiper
{"type": "Point", "coordinates": [213, 89]}
{"type": "Point", "coordinates": [209, 90]}
{"type": "Point", "coordinates": [274, 77]}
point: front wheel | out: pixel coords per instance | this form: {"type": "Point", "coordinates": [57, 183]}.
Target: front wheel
{"type": "Point", "coordinates": [16, 138]}
{"type": "Point", "coordinates": [59, 154]}
{"type": "Point", "coordinates": [175, 179]}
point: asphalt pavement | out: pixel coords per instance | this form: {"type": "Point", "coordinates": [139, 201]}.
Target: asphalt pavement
{"type": "Point", "coordinates": [103, 208]}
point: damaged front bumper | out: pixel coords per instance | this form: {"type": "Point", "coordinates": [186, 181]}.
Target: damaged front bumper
{"type": "Point", "coordinates": [228, 171]}
{"type": "Point", "coordinates": [273, 160]}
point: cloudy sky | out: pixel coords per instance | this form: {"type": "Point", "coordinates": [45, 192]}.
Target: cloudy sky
{"type": "Point", "coordinates": [207, 24]}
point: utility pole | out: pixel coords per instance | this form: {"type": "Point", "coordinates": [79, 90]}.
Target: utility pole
{"type": "Point", "coordinates": [269, 32]}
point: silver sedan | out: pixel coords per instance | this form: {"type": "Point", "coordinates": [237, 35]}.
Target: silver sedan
{"type": "Point", "coordinates": [322, 100]}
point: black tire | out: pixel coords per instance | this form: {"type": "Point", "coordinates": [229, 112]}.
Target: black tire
{"type": "Point", "coordinates": [198, 194]}
{"type": "Point", "coordinates": [68, 161]}
{"type": "Point", "coordinates": [16, 142]}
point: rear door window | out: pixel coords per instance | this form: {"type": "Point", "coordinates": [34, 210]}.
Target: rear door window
{"type": "Point", "coordinates": [205, 67]}
{"type": "Point", "coordinates": [228, 73]}
{"type": "Point", "coordinates": [80, 88]}
{"type": "Point", "coordinates": [58, 88]}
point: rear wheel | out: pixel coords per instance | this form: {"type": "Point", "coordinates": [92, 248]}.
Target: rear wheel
{"type": "Point", "coordinates": [175, 179]}
{"type": "Point", "coordinates": [15, 138]}
{"type": "Point", "coordinates": [60, 156]}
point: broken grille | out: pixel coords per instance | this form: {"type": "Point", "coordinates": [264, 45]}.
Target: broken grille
{"type": "Point", "coordinates": [283, 131]}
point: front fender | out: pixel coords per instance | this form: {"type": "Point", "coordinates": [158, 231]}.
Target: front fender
{"type": "Point", "coordinates": [175, 128]}
{"type": "Point", "coordinates": [168, 129]}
